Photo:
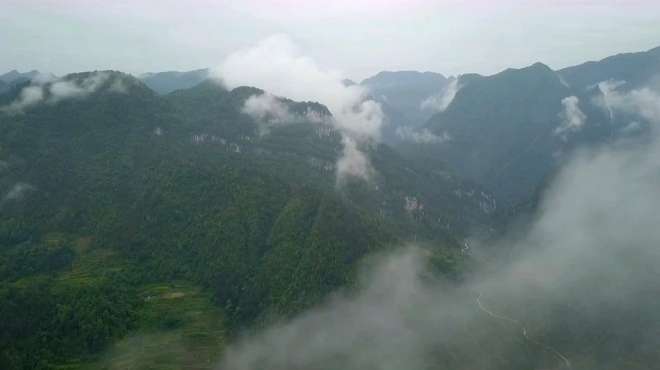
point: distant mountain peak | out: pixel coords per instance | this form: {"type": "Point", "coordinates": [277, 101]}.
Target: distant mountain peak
{"type": "Point", "coordinates": [635, 68]}
{"type": "Point", "coordinates": [247, 91]}
{"type": "Point", "coordinates": [16, 76]}
{"type": "Point", "coordinates": [403, 96]}
{"type": "Point", "coordinates": [537, 67]}
{"type": "Point", "coordinates": [540, 66]}
{"type": "Point", "coordinates": [655, 51]}
{"type": "Point", "coordinates": [169, 81]}
{"type": "Point", "coordinates": [402, 77]}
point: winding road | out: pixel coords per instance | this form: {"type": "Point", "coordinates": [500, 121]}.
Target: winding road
{"type": "Point", "coordinates": [555, 352]}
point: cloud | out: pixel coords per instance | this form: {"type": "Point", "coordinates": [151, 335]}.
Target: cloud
{"type": "Point", "coordinates": [353, 162]}
{"type": "Point", "coordinates": [607, 88]}
{"type": "Point", "coordinates": [577, 289]}
{"type": "Point", "coordinates": [423, 136]}
{"type": "Point", "coordinates": [49, 91]}
{"type": "Point", "coordinates": [118, 86]}
{"type": "Point", "coordinates": [61, 90]}
{"type": "Point", "coordinates": [633, 127]}
{"type": "Point", "coordinates": [349, 332]}
{"type": "Point", "coordinates": [277, 65]}
{"type": "Point", "coordinates": [68, 89]}
{"type": "Point", "coordinates": [43, 78]}
{"type": "Point", "coordinates": [270, 111]}
{"type": "Point", "coordinates": [573, 119]}
{"type": "Point", "coordinates": [17, 192]}
{"type": "Point", "coordinates": [643, 101]}
{"type": "Point", "coordinates": [268, 108]}
{"type": "Point", "coordinates": [29, 96]}
{"type": "Point", "coordinates": [440, 102]}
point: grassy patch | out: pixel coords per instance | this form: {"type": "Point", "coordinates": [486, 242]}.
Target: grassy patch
{"type": "Point", "coordinates": [179, 328]}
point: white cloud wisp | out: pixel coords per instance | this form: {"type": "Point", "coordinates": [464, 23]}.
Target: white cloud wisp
{"type": "Point", "coordinates": [276, 65]}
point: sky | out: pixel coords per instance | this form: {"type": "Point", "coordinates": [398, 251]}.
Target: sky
{"type": "Point", "coordinates": [356, 37]}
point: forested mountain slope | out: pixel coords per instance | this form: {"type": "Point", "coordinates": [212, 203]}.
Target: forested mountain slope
{"type": "Point", "coordinates": [634, 68]}
{"type": "Point", "coordinates": [187, 187]}
{"type": "Point", "coordinates": [510, 131]}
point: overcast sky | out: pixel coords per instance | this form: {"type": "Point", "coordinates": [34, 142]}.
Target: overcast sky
{"type": "Point", "coordinates": [357, 37]}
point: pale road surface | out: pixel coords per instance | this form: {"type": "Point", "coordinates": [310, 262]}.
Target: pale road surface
{"type": "Point", "coordinates": [492, 314]}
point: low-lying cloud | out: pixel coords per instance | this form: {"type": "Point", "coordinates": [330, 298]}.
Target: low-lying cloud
{"type": "Point", "coordinates": [67, 89]}
{"type": "Point", "coordinates": [18, 191]}
{"type": "Point", "coordinates": [268, 108]}
{"type": "Point", "coordinates": [269, 111]}
{"type": "Point", "coordinates": [643, 101]}
{"type": "Point", "coordinates": [440, 102]}
{"type": "Point", "coordinates": [573, 119]}
{"type": "Point", "coordinates": [604, 100]}
{"type": "Point", "coordinates": [577, 290]}
{"type": "Point", "coordinates": [277, 66]}
{"type": "Point", "coordinates": [54, 91]}
{"type": "Point", "coordinates": [353, 162]}
{"type": "Point", "coordinates": [421, 136]}
{"type": "Point", "coordinates": [28, 97]}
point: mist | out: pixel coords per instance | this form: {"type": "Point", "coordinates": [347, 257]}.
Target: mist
{"type": "Point", "coordinates": [586, 267]}
{"type": "Point", "coordinates": [423, 136]}
{"type": "Point", "coordinates": [440, 102]}
{"type": "Point", "coordinates": [270, 111]}
{"type": "Point", "coordinates": [572, 117]}
{"type": "Point", "coordinates": [277, 65]}
{"type": "Point", "coordinates": [17, 192]}
{"type": "Point", "coordinates": [48, 91]}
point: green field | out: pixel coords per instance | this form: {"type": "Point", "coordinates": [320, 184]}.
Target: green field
{"type": "Point", "coordinates": [176, 326]}
{"type": "Point", "coordinates": [179, 328]}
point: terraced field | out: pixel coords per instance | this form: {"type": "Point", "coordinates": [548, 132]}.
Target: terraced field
{"type": "Point", "coordinates": [179, 329]}
{"type": "Point", "coordinates": [178, 326]}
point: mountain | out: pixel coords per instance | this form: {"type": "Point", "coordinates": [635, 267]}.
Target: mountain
{"type": "Point", "coordinates": [501, 128]}
{"type": "Point", "coordinates": [634, 68]}
{"type": "Point", "coordinates": [13, 78]}
{"type": "Point", "coordinates": [402, 94]}
{"type": "Point", "coordinates": [16, 76]}
{"type": "Point", "coordinates": [111, 190]}
{"type": "Point", "coordinates": [166, 82]}
{"type": "Point", "coordinates": [407, 88]}
{"type": "Point", "coordinates": [506, 133]}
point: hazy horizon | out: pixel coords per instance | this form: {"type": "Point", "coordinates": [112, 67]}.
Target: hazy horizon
{"type": "Point", "coordinates": [450, 37]}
